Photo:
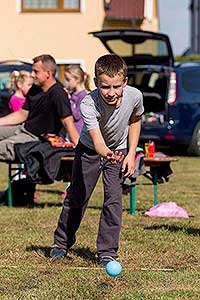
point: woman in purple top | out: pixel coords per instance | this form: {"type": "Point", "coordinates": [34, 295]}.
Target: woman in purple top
{"type": "Point", "coordinates": [77, 87]}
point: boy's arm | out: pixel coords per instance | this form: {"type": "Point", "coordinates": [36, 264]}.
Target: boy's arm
{"type": "Point", "coordinates": [114, 157]}
{"type": "Point", "coordinates": [14, 118]}
{"type": "Point", "coordinates": [99, 143]}
{"type": "Point", "coordinates": [133, 138]}
{"type": "Point", "coordinates": [134, 134]}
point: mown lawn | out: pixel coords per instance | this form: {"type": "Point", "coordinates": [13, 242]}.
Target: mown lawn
{"type": "Point", "coordinates": [160, 257]}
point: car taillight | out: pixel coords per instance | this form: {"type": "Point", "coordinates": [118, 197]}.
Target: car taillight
{"type": "Point", "coordinates": [172, 94]}
{"type": "Point", "coordinates": [169, 137]}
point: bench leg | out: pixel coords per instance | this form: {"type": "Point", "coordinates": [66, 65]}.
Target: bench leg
{"type": "Point", "coordinates": [132, 200]}
{"type": "Point", "coordinates": [9, 185]}
{"type": "Point", "coordinates": [155, 186]}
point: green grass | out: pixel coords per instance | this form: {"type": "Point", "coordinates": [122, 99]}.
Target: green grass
{"type": "Point", "coordinates": [160, 257]}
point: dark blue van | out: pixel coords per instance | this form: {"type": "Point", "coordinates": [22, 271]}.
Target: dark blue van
{"type": "Point", "coordinates": [171, 92]}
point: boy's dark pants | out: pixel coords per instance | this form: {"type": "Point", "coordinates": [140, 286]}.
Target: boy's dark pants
{"type": "Point", "coordinates": [87, 167]}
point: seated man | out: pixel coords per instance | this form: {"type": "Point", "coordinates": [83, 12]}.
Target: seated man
{"type": "Point", "coordinates": [46, 110]}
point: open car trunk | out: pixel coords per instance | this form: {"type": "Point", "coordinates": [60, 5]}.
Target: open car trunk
{"type": "Point", "coordinates": [149, 58]}
{"type": "Point", "coordinates": [153, 83]}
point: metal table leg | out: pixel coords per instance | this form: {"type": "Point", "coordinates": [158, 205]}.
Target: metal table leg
{"type": "Point", "coordinates": [132, 200]}
{"type": "Point", "coordinates": [10, 185]}
{"type": "Point", "coordinates": [155, 185]}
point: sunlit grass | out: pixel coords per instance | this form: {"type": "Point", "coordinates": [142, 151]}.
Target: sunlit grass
{"type": "Point", "coordinates": [160, 257]}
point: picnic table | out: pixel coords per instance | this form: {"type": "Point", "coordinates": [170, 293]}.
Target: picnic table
{"type": "Point", "coordinates": [153, 164]}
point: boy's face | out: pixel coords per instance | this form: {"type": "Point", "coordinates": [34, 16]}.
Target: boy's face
{"type": "Point", "coordinates": [111, 88]}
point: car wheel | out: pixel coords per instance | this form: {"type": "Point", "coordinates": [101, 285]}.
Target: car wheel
{"type": "Point", "coordinates": [194, 147]}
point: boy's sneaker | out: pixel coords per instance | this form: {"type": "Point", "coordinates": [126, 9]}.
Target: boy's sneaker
{"type": "Point", "coordinates": [57, 252]}
{"type": "Point", "coordinates": [104, 260]}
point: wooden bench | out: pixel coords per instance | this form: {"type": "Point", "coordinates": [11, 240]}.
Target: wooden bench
{"type": "Point", "coordinates": [14, 170]}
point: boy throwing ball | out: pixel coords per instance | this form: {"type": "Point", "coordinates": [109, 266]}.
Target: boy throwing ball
{"type": "Point", "coordinates": [112, 120]}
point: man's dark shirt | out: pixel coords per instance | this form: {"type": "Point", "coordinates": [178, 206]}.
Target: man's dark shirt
{"type": "Point", "coordinates": [46, 109]}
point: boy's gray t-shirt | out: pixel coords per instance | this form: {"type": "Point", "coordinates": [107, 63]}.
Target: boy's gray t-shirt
{"type": "Point", "coordinates": [113, 122]}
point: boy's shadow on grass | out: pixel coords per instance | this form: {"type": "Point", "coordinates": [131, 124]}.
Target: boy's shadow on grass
{"type": "Point", "coordinates": [83, 252]}
{"type": "Point", "coordinates": [41, 250]}
{"type": "Point", "coordinates": [189, 230]}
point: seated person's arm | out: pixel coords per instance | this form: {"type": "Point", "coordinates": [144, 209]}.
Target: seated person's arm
{"type": "Point", "coordinates": [70, 128]}
{"type": "Point", "coordinates": [14, 118]}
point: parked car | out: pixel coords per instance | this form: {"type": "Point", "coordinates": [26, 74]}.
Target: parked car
{"type": "Point", "coordinates": [171, 92]}
{"type": "Point", "coordinates": [6, 68]}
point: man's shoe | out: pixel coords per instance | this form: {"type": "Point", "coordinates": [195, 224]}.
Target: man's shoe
{"type": "Point", "coordinates": [104, 260]}
{"type": "Point", "coordinates": [57, 252]}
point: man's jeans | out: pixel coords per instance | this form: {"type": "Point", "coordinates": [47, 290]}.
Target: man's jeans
{"type": "Point", "coordinates": [11, 135]}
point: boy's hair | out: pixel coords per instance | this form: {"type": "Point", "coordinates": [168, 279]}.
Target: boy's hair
{"type": "Point", "coordinates": [110, 65]}
{"type": "Point", "coordinates": [48, 62]}
{"type": "Point", "coordinates": [77, 72]}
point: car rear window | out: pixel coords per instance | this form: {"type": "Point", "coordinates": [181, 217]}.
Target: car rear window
{"type": "Point", "coordinates": [191, 80]}
{"type": "Point", "coordinates": [128, 47]}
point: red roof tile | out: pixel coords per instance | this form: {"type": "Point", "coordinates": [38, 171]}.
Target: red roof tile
{"type": "Point", "coordinates": [125, 9]}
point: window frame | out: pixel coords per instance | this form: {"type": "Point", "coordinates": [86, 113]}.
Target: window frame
{"type": "Point", "coordinates": [50, 10]}
{"type": "Point", "coordinates": [62, 63]}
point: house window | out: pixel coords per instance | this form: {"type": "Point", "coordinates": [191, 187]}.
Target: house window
{"type": "Point", "coordinates": [62, 63]}
{"type": "Point", "coordinates": [50, 5]}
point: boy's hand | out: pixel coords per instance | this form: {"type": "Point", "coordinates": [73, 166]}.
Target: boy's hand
{"type": "Point", "coordinates": [128, 166]}
{"type": "Point", "coordinates": [115, 157]}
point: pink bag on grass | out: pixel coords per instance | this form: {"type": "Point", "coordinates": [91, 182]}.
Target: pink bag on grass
{"type": "Point", "coordinates": [167, 210]}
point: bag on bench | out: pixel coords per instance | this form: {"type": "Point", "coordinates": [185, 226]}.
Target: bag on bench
{"type": "Point", "coordinates": [22, 193]}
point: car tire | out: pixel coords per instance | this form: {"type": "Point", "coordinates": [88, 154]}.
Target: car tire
{"type": "Point", "coordinates": [194, 147]}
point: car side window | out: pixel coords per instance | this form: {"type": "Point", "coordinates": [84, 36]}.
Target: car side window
{"type": "Point", "coordinates": [4, 83]}
{"type": "Point", "coordinates": [190, 81]}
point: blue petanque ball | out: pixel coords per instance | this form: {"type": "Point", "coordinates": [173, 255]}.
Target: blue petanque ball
{"type": "Point", "coordinates": [113, 268]}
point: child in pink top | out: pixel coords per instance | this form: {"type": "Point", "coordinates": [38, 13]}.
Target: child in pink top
{"type": "Point", "coordinates": [21, 81]}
